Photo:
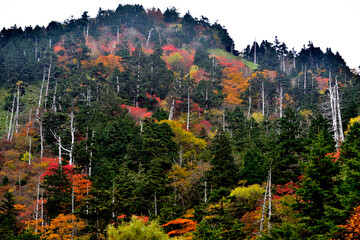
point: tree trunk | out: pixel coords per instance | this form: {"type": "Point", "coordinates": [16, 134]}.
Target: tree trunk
{"type": "Point", "coordinates": [149, 35]}
{"type": "Point", "coordinates": [54, 98]}
{"type": "Point", "coordinates": [41, 140]}
{"type": "Point", "coordinates": [17, 108]}
{"type": "Point", "coordinates": [11, 120]}
{"type": "Point", "coordinates": [72, 130]}
{"type": "Point", "coordinates": [117, 35]}
{"type": "Point", "coordinates": [91, 151]}
{"type": "Point", "coordinates": [305, 80]}
{"type": "Point", "coordinates": [172, 110]}
{"type": "Point", "coordinates": [250, 99]}
{"type": "Point", "coordinates": [48, 82]}
{"type": "Point", "coordinates": [333, 112]}
{"type": "Point", "coordinates": [117, 85]}
{"type": "Point", "coordinates": [341, 132]}
{"type": "Point", "coordinates": [188, 112]}
{"type": "Point", "coordinates": [263, 98]}
{"type": "Point", "coordinates": [264, 207]}
{"type": "Point", "coordinates": [269, 224]}
{"type": "Point", "coordinates": [40, 95]}
{"type": "Point", "coordinates": [281, 101]}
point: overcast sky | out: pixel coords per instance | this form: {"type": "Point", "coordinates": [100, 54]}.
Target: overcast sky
{"type": "Point", "coordinates": [327, 23]}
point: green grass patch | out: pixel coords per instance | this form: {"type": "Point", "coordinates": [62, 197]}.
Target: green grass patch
{"type": "Point", "coordinates": [222, 53]}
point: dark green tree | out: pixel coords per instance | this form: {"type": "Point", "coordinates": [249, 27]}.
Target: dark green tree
{"type": "Point", "coordinates": [288, 149]}
{"type": "Point", "coordinates": [318, 203]}
{"type": "Point", "coordinates": [224, 172]}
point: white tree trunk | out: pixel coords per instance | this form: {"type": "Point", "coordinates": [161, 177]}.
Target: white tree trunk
{"type": "Point", "coordinates": [263, 98]}
{"type": "Point", "coordinates": [341, 131]}
{"type": "Point", "coordinates": [172, 110]}
{"type": "Point", "coordinates": [117, 85]}
{"type": "Point", "coordinates": [11, 119]}
{"type": "Point", "coordinates": [188, 112]}
{"type": "Point", "coordinates": [91, 151]}
{"type": "Point", "coordinates": [333, 112]}
{"type": "Point", "coordinates": [54, 98]}
{"type": "Point", "coordinates": [281, 101]}
{"type": "Point", "coordinates": [41, 140]}
{"type": "Point", "coordinates": [149, 35]}
{"type": "Point", "coordinates": [72, 130]}
{"type": "Point", "coordinates": [205, 193]}
{"type": "Point", "coordinates": [264, 207]}
{"type": "Point", "coordinates": [48, 82]}
{"type": "Point", "coordinates": [269, 224]}
{"type": "Point", "coordinates": [17, 108]}
{"type": "Point", "coordinates": [117, 35]}
{"type": "Point", "coordinates": [305, 80]}
{"type": "Point", "coordinates": [40, 95]}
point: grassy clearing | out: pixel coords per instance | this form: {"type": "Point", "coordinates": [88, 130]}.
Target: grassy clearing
{"type": "Point", "coordinates": [222, 53]}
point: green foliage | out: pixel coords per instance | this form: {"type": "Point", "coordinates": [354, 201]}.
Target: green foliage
{"type": "Point", "coordinates": [7, 216]}
{"type": "Point", "coordinates": [136, 229]}
{"type": "Point", "coordinates": [318, 203]}
{"type": "Point", "coordinates": [224, 171]}
{"type": "Point", "coordinates": [289, 146]}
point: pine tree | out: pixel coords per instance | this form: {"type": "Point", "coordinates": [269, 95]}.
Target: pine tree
{"type": "Point", "coordinates": [224, 172]}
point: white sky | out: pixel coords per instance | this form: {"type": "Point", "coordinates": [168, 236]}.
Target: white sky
{"type": "Point", "coordinates": [327, 23]}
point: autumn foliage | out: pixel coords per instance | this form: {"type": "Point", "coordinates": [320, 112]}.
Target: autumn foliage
{"type": "Point", "coordinates": [352, 227]}
{"type": "Point", "coordinates": [181, 226]}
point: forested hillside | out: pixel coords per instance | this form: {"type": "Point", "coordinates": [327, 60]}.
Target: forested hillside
{"type": "Point", "coordinates": [139, 124]}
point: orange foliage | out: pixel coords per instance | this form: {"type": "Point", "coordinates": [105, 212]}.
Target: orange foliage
{"type": "Point", "coordinates": [110, 62]}
{"type": "Point", "coordinates": [182, 226]}
{"type": "Point", "coordinates": [353, 225]}
{"type": "Point", "coordinates": [334, 156]}
{"type": "Point", "coordinates": [81, 186]}
{"type": "Point", "coordinates": [322, 83]}
{"type": "Point", "coordinates": [62, 227]}
{"type": "Point", "coordinates": [234, 84]}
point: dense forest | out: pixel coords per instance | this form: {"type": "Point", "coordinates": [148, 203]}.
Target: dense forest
{"type": "Point", "coordinates": [142, 124]}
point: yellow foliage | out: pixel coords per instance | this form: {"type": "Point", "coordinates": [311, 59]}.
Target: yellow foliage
{"type": "Point", "coordinates": [351, 123]}
{"type": "Point", "coordinates": [258, 117]}
{"type": "Point", "coordinates": [187, 140]}
{"type": "Point", "coordinates": [307, 114]}
{"type": "Point", "coordinates": [193, 70]}
{"type": "Point", "coordinates": [25, 157]}
{"type": "Point", "coordinates": [250, 193]}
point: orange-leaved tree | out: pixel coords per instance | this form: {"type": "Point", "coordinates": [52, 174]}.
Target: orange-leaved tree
{"type": "Point", "coordinates": [352, 227]}
{"type": "Point", "coordinates": [181, 227]}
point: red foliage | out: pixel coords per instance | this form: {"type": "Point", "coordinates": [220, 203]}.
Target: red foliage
{"type": "Point", "coordinates": [54, 165]}
{"type": "Point", "coordinates": [154, 97]}
{"type": "Point", "coordinates": [168, 48]}
{"type": "Point", "coordinates": [144, 219]}
{"type": "Point", "coordinates": [286, 189]}
{"type": "Point", "coordinates": [196, 108]}
{"type": "Point", "coordinates": [121, 216]}
{"type": "Point", "coordinates": [231, 63]}
{"type": "Point", "coordinates": [58, 47]}
{"type": "Point", "coordinates": [136, 112]}
{"type": "Point", "coordinates": [322, 82]}
{"type": "Point", "coordinates": [334, 156]}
